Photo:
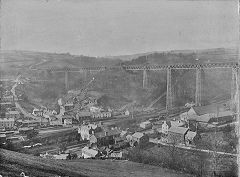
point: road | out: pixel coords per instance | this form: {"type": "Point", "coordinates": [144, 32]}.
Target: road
{"type": "Point", "coordinates": [18, 106]}
{"type": "Point", "coordinates": [33, 67]}
{"type": "Point", "coordinates": [192, 148]}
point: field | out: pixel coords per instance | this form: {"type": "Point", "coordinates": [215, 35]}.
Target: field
{"type": "Point", "coordinates": [13, 163]}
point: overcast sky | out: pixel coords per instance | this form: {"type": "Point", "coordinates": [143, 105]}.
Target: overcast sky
{"type": "Point", "coordinates": [117, 27]}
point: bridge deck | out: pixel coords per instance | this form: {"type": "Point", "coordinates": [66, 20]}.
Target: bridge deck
{"type": "Point", "coordinates": [146, 67]}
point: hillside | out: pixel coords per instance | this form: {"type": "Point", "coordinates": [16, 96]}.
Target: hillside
{"type": "Point", "coordinates": [120, 87]}
{"type": "Point", "coordinates": [13, 163]}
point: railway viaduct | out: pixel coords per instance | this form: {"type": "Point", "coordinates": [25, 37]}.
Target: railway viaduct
{"type": "Point", "coordinates": [199, 68]}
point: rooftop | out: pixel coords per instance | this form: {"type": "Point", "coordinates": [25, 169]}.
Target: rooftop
{"type": "Point", "coordinates": [191, 134]}
{"type": "Point", "coordinates": [12, 112]}
{"type": "Point", "coordinates": [213, 108]}
{"type": "Point", "coordinates": [179, 130]}
{"type": "Point", "coordinates": [6, 119]}
{"type": "Point", "coordinates": [138, 135]}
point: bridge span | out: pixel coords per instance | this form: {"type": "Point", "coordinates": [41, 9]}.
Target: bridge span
{"type": "Point", "coordinates": [199, 67]}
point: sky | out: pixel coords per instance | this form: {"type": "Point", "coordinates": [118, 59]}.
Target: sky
{"type": "Point", "coordinates": [117, 27]}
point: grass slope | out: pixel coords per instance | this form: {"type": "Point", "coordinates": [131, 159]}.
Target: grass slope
{"type": "Point", "coordinates": [13, 163]}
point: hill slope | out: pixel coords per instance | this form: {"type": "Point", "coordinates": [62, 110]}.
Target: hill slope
{"type": "Point", "coordinates": [13, 163]}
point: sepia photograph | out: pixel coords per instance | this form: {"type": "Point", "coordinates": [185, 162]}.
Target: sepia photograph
{"type": "Point", "coordinates": [119, 88]}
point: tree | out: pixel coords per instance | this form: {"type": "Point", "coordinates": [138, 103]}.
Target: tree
{"type": "Point", "coordinates": [31, 134]}
{"type": "Point", "coordinates": [63, 147]}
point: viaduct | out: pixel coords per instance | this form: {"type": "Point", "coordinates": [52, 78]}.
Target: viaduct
{"type": "Point", "coordinates": [199, 67]}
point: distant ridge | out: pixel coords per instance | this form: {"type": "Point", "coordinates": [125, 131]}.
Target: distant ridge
{"type": "Point", "coordinates": [231, 51]}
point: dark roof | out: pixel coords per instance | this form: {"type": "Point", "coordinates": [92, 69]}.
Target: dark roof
{"type": "Point", "coordinates": [203, 118]}
{"type": "Point", "coordinates": [109, 133]}
{"type": "Point", "coordinates": [179, 130]}
{"type": "Point", "coordinates": [213, 108]}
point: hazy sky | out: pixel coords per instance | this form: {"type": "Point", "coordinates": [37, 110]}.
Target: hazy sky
{"type": "Point", "coordinates": [115, 27]}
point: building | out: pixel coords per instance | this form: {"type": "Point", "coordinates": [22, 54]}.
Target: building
{"type": "Point", "coordinates": [55, 121]}
{"type": "Point", "coordinates": [86, 130]}
{"type": "Point", "coordinates": [13, 114]}
{"type": "Point", "coordinates": [139, 138]}
{"type": "Point", "coordinates": [176, 135]}
{"type": "Point", "coordinates": [67, 121]}
{"type": "Point", "coordinates": [165, 126]}
{"type": "Point", "coordinates": [6, 123]}
{"type": "Point", "coordinates": [190, 138]}
{"type": "Point", "coordinates": [127, 113]}
{"type": "Point", "coordinates": [37, 112]}
{"type": "Point", "coordinates": [208, 109]}
{"type": "Point", "coordinates": [68, 106]}
{"type": "Point", "coordinates": [35, 123]}
{"type": "Point", "coordinates": [104, 138]}
{"type": "Point", "coordinates": [116, 154]}
{"type": "Point", "coordinates": [101, 114]}
{"type": "Point", "coordinates": [89, 153]}
{"type": "Point", "coordinates": [6, 105]}
{"type": "Point", "coordinates": [9, 98]}
{"type": "Point", "coordinates": [146, 124]}
{"type": "Point", "coordinates": [94, 109]}
{"type": "Point", "coordinates": [83, 115]}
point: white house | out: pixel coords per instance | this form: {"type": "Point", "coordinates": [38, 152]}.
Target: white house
{"type": "Point", "coordinates": [89, 153]}
{"type": "Point", "coordinates": [94, 109]}
{"type": "Point", "coordinates": [165, 126]}
{"type": "Point", "coordinates": [189, 137]}
{"type": "Point", "coordinates": [84, 131]}
{"type": "Point", "coordinates": [127, 113]}
{"type": "Point", "coordinates": [146, 124]}
{"type": "Point", "coordinates": [67, 121]}
{"type": "Point", "coordinates": [37, 112]}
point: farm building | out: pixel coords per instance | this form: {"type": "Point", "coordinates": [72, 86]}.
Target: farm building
{"type": "Point", "coordinates": [177, 135]}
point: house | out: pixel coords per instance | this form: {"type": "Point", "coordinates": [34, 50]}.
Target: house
{"type": "Point", "coordinates": [139, 138]}
{"type": "Point", "coordinates": [208, 109]}
{"type": "Point", "coordinates": [89, 153]}
{"type": "Point", "coordinates": [101, 114]}
{"type": "Point", "coordinates": [205, 118]}
{"type": "Point", "coordinates": [123, 134]}
{"type": "Point", "coordinates": [37, 112]}
{"type": "Point", "coordinates": [67, 121]}
{"type": "Point", "coordinates": [223, 116]}
{"type": "Point", "coordinates": [165, 126]}
{"type": "Point", "coordinates": [6, 122]}
{"type": "Point", "coordinates": [177, 123]}
{"type": "Point", "coordinates": [83, 115]}
{"type": "Point", "coordinates": [2, 138]}
{"type": "Point", "coordinates": [55, 121]}
{"type": "Point", "coordinates": [127, 113]}
{"type": "Point", "coordinates": [6, 105]}
{"type": "Point", "coordinates": [146, 124]}
{"type": "Point", "coordinates": [104, 138]}
{"type": "Point", "coordinates": [68, 106]}
{"type": "Point", "coordinates": [176, 135]}
{"type": "Point", "coordinates": [129, 137]}
{"type": "Point", "coordinates": [94, 109]}
{"type": "Point", "coordinates": [190, 138]}
{"type": "Point", "coordinates": [9, 98]}
{"type": "Point", "coordinates": [86, 130]}
{"type": "Point", "coordinates": [13, 114]}
{"type": "Point", "coordinates": [116, 154]}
